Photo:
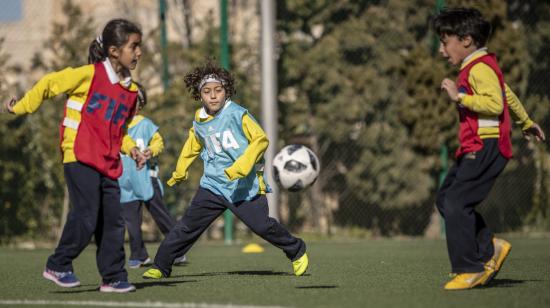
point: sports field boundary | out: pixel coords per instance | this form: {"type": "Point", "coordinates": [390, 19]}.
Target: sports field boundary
{"type": "Point", "coordinates": [126, 304]}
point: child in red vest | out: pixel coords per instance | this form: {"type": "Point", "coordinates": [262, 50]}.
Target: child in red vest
{"type": "Point", "coordinates": [482, 100]}
{"type": "Point", "coordinates": [101, 101]}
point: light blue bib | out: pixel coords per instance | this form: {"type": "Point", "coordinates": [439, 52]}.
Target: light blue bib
{"type": "Point", "coordinates": [223, 142]}
{"type": "Point", "coordinates": [136, 184]}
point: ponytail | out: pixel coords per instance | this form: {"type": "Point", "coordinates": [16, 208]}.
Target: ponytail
{"type": "Point", "coordinates": [142, 95]}
{"type": "Point", "coordinates": [96, 52]}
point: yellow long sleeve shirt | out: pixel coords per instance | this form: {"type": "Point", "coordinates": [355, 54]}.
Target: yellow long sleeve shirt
{"type": "Point", "coordinates": [75, 82]}
{"type": "Point", "coordinates": [486, 99]}
{"type": "Point", "coordinates": [257, 144]}
{"type": "Point", "coordinates": [156, 144]}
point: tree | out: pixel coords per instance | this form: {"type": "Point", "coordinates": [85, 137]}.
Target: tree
{"type": "Point", "coordinates": [359, 82]}
{"type": "Point", "coordinates": [341, 83]}
{"type": "Point", "coordinates": [36, 186]}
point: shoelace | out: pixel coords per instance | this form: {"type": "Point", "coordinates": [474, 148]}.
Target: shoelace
{"type": "Point", "coordinates": [114, 284]}
{"type": "Point", "coordinates": [61, 274]}
{"type": "Point", "coordinates": [491, 264]}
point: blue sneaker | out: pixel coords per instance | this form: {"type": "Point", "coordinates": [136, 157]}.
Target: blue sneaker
{"type": "Point", "coordinates": [117, 287]}
{"type": "Point", "coordinates": [139, 263]}
{"type": "Point", "coordinates": [62, 279]}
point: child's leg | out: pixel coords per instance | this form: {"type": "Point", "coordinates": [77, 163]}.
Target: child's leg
{"type": "Point", "coordinates": [160, 213]}
{"type": "Point", "coordinates": [203, 210]}
{"type": "Point", "coordinates": [83, 184]}
{"type": "Point", "coordinates": [255, 214]}
{"type": "Point", "coordinates": [449, 179]}
{"type": "Point", "coordinates": [133, 217]}
{"type": "Point", "coordinates": [484, 235]}
{"type": "Point", "coordinates": [484, 239]}
{"type": "Point", "coordinates": [467, 234]}
{"type": "Point", "coordinates": [158, 210]}
{"type": "Point", "coordinates": [109, 234]}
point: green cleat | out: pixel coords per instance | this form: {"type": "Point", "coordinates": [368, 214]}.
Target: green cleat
{"type": "Point", "coordinates": [153, 273]}
{"type": "Point", "coordinates": [300, 266]}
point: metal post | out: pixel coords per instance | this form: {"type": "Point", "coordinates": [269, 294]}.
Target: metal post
{"type": "Point", "coordinates": [439, 5]}
{"type": "Point", "coordinates": [444, 151]}
{"type": "Point", "coordinates": [164, 45]}
{"type": "Point", "coordinates": [224, 59]}
{"type": "Point", "coordinates": [269, 97]}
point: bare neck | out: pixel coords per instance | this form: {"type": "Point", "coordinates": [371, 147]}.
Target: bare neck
{"type": "Point", "coordinates": [120, 70]}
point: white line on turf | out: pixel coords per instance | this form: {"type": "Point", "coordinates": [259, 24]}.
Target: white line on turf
{"type": "Point", "coordinates": [126, 304]}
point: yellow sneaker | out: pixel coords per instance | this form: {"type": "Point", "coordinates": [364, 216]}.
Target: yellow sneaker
{"type": "Point", "coordinates": [300, 266]}
{"type": "Point", "coordinates": [153, 273]}
{"type": "Point", "coordinates": [502, 249]}
{"type": "Point", "coordinates": [468, 280]}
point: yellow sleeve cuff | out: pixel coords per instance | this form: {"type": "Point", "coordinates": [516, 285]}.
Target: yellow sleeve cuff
{"type": "Point", "coordinates": [19, 109]}
{"type": "Point", "coordinates": [176, 178]}
{"type": "Point", "coordinates": [466, 100]}
{"type": "Point", "coordinates": [171, 182]}
{"type": "Point", "coordinates": [127, 144]}
{"type": "Point", "coordinates": [527, 124]}
{"type": "Point", "coordinates": [231, 173]}
{"type": "Point", "coordinates": [156, 145]}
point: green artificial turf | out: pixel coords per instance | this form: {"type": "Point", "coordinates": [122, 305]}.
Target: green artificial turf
{"type": "Point", "coordinates": [361, 273]}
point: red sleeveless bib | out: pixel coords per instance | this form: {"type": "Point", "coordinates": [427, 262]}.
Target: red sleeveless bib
{"type": "Point", "coordinates": [103, 116]}
{"type": "Point", "coordinates": [467, 135]}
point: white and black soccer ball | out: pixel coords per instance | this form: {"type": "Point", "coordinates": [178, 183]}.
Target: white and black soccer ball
{"type": "Point", "coordinates": [295, 167]}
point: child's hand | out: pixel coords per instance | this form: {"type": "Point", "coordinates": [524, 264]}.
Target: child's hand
{"type": "Point", "coordinates": [450, 86]}
{"type": "Point", "coordinates": [8, 106]}
{"type": "Point", "coordinates": [148, 154]}
{"type": "Point", "coordinates": [138, 157]}
{"type": "Point", "coordinates": [536, 131]}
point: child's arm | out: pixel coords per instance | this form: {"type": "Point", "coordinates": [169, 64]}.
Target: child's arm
{"type": "Point", "coordinates": [486, 98]}
{"type": "Point", "coordinates": [257, 144]}
{"type": "Point", "coordinates": [521, 117]}
{"type": "Point", "coordinates": [130, 148]}
{"type": "Point", "coordinates": [51, 85]}
{"type": "Point", "coordinates": [155, 147]}
{"type": "Point", "coordinates": [191, 149]}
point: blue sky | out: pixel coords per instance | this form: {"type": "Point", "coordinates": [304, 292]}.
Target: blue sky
{"type": "Point", "coordinates": [11, 10]}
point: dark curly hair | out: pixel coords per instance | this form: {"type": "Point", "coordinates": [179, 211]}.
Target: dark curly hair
{"type": "Point", "coordinates": [194, 78]}
{"type": "Point", "coordinates": [462, 22]}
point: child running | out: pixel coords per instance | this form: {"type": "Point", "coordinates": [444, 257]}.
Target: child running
{"type": "Point", "coordinates": [482, 100]}
{"type": "Point", "coordinates": [231, 144]}
{"type": "Point", "coordinates": [143, 187]}
{"type": "Point", "coordinates": [101, 100]}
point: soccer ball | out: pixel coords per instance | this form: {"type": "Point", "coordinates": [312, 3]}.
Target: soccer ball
{"type": "Point", "coordinates": [295, 167]}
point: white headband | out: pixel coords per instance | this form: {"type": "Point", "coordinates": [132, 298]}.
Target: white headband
{"type": "Point", "coordinates": [210, 78]}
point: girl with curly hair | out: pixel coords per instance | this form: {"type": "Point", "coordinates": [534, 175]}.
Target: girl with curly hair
{"type": "Point", "coordinates": [231, 144]}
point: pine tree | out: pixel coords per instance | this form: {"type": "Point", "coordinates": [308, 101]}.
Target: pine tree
{"type": "Point", "coordinates": [342, 86]}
